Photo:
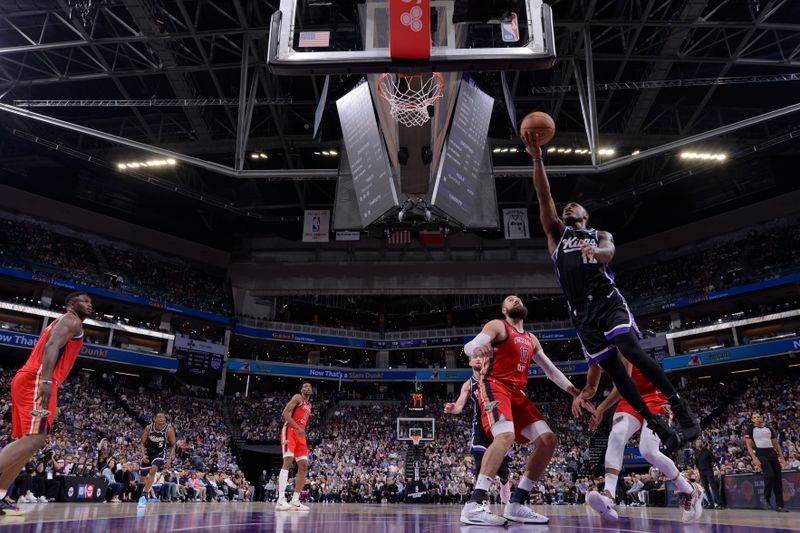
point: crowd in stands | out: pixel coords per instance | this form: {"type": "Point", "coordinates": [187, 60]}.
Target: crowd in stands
{"type": "Point", "coordinates": [355, 454]}
{"type": "Point", "coordinates": [259, 416]}
{"type": "Point", "coordinates": [36, 248]}
{"type": "Point", "coordinates": [359, 458]}
{"type": "Point", "coordinates": [761, 254]}
{"type": "Point", "coordinates": [98, 431]}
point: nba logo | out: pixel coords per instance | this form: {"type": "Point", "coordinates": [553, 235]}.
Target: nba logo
{"type": "Point", "coordinates": [316, 222]}
{"type": "Point", "coordinates": [510, 30]}
{"type": "Point", "coordinates": [81, 491]}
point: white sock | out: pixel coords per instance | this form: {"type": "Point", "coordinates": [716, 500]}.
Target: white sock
{"type": "Point", "coordinates": [3, 493]}
{"type": "Point", "coordinates": [283, 480]}
{"type": "Point", "coordinates": [525, 483]}
{"type": "Point", "coordinates": [683, 485]}
{"type": "Point", "coordinates": [296, 497]}
{"type": "Point", "coordinates": [484, 482]}
{"type": "Point", "coordinates": [611, 484]}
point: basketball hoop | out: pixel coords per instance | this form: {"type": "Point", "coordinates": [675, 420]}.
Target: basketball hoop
{"type": "Point", "coordinates": [410, 95]}
{"type": "Point", "coordinates": [415, 439]}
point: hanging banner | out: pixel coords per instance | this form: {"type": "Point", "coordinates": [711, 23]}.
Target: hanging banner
{"type": "Point", "coordinates": [316, 226]}
{"type": "Point", "coordinates": [515, 224]}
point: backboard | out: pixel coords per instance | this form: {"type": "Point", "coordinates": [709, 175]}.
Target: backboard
{"type": "Point", "coordinates": [406, 427]}
{"type": "Point", "coordinates": [354, 36]}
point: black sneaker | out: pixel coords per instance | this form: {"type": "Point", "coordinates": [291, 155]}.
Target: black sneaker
{"type": "Point", "coordinates": [9, 509]}
{"type": "Point", "coordinates": [689, 424]}
{"type": "Point", "coordinates": [781, 510]}
{"type": "Point", "coordinates": [669, 439]}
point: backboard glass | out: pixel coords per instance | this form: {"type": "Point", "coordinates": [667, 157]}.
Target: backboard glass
{"type": "Point", "coordinates": [353, 36]}
{"type": "Point", "coordinates": [416, 426]}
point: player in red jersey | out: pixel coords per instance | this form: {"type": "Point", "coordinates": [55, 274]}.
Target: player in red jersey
{"type": "Point", "coordinates": [34, 390]}
{"type": "Point", "coordinates": [294, 448]}
{"type": "Point", "coordinates": [508, 415]}
{"type": "Point", "coordinates": [626, 423]}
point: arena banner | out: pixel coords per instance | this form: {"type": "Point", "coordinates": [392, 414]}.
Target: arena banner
{"type": "Point", "coordinates": [316, 226]}
{"type": "Point", "coordinates": [304, 338]}
{"type": "Point", "coordinates": [378, 344]}
{"type": "Point", "coordinates": [733, 291]}
{"type": "Point", "coordinates": [736, 353]}
{"type": "Point", "coordinates": [114, 295]}
{"type": "Point", "coordinates": [515, 224]}
{"type": "Point", "coordinates": [102, 353]}
{"type": "Point", "coordinates": [633, 457]}
{"type": "Point", "coordinates": [746, 491]}
{"type": "Point", "coordinates": [376, 374]}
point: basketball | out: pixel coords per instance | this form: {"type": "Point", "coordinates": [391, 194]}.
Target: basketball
{"type": "Point", "coordinates": [541, 123]}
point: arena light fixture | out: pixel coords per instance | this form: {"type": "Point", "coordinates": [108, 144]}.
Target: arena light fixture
{"type": "Point", "coordinates": [745, 370]}
{"type": "Point", "coordinates": [704, 156]}
{"type": "Point", "coordinates": [150, 163]}
{"type": "Point", "coordinates": [635, 152]}
{"type": "Point", "coordinates": [259, 155]}
{"type": "Point", "coordinates": [606, 151]}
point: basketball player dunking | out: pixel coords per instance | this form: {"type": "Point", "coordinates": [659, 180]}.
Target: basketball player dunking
{"type": "Point", "coordinates": [34, 390]}
{"type": "Point", "coordinates": [625, 425]}
{"type": "Point", "coordinates": [479, 440]}
{"type": "Point", "coordinates": [508, 415]}
{"type": "Point", "coordinates": [598, 311]}
{"type": "Point", "coordinates": [295, 448]}
{"type": "Point", "coordinates": [156, 455]}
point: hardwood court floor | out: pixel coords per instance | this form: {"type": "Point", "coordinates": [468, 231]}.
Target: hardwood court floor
{"type": "Point", "coordinates": [336, 518]}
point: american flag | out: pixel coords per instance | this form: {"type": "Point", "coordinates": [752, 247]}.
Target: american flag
{"type": "Point", "coordinates": [313, 39]}
{"type": "Point", "coordinates": [399, 237]}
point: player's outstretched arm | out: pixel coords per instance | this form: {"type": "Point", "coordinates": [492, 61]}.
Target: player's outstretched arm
{"type": "Point", "coordinates": [173, 444]}
{"type": "Point", "coordinates": [143, 443]}
{"type": "Point", "coordinates": [548, 215]}
{"type": "Point", "coordinates": [458, 406]}
{"type": "Point", "coordinates": [481, 345]}
{"type": "Point", "coordinates": [588, 391]}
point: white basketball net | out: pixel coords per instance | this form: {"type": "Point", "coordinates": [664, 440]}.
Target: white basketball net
{"type": "Point", "coordinates": [410, 96]}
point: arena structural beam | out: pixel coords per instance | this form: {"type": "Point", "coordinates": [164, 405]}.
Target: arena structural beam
{"type": "Point", "coordinates": [208, 165]}
{"type": "Point", "coordinates": [304, 174]}
{"type": "Point", "coordinates": [644, 154]}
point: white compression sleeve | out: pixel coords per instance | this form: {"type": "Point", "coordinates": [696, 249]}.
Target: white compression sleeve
{"type": "Point", "coordinates": [479, 340]}
{"type": "Point", "coordinates": [551, 371]}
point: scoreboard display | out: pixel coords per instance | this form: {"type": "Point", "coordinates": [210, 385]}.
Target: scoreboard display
{"type": "Point", "coordinates": [417, 402]}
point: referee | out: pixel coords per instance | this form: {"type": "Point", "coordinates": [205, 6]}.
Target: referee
{"type": "Point", "coordinates": [763, 447]}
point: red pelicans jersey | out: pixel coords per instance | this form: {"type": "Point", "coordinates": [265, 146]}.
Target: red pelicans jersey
{"type": "Point", "coordinates": [648, 391]}
{"type": "Point", "coordinates": [510, 363]}
{"type": "Point", "coordinates": [301, 414]}
{"type": "Point", "coordinates": [66, 355]}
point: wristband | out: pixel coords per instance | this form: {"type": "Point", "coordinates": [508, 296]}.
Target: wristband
{"type": "Point", "coordinates": [47, 381]}
{"type": "Point", "coordinates": [536, 158]}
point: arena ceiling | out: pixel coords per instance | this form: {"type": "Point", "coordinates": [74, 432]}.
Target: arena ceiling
{"type": "Point", "coordinates": [663, 70]}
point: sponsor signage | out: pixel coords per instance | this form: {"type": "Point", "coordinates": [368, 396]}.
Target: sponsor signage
{"type": "Point", "coordinates": [102, 353]}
